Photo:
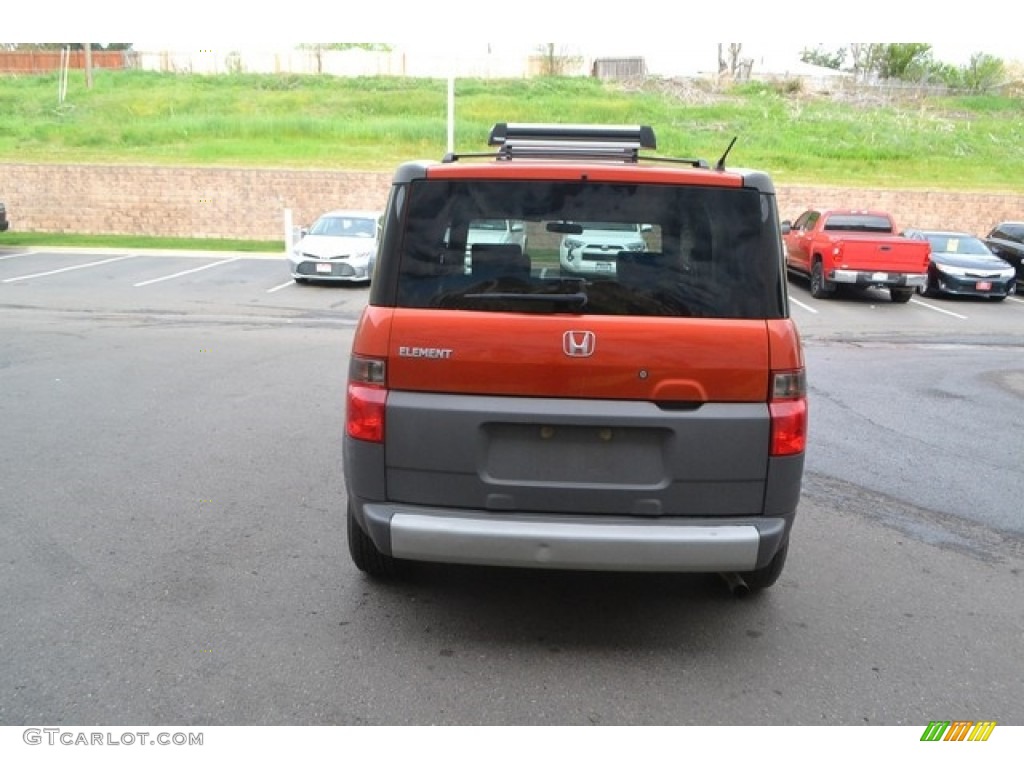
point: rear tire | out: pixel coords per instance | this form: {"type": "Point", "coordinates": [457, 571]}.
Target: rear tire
{"type": "Point", "coordinates": [820, 286]}
{"type": "Point", "coordinates": [365, 554]}
{"type": "Point", "coordinates": [901, 295]}
{"type": "Point", "coordinates": [763, 578]}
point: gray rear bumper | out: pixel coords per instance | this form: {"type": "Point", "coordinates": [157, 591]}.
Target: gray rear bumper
{"type": "Point", "coordinates": [570, 542]}
{"type": "Point", "coordinates": [877, 279]}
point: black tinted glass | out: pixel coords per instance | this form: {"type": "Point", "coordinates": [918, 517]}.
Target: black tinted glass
{"type": "Point", "coordinates": [858, 223]}
{"type": "Point", "coordinates": [657, 250]}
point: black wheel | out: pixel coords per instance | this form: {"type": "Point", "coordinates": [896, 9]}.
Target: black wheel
{"type": "Point", "coordinates": [901, 295]}
{"type": "Point", "coordinates": [763, 578]}
{"type": "Point", "coordinates": [820, 287]}
{"type": "Point", "coordinates": [365, 554]}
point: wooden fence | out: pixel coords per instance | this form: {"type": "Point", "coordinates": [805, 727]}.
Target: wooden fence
{"type": "Point", "coordinates": [41, 62]}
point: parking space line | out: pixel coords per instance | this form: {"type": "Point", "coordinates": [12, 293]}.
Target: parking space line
{"type": "Point", "coordinates": [14, 255]}
{"type": "Point", "coordinates": [279, 287]}
{"type": "Point", "coordinates": [800, 304]}
{"type": "Point", "coordinates": [938, 309]}
{"type": "Point", "coordinates": [186, 272]}
{"type": "Point", "coordinates": [1015, 299]}
{"type": "Point", "coordinates": [67, 269]}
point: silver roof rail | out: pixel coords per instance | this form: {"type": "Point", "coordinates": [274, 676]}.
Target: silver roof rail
{"type": "Point", "coordinates": [550, 141]}
{"type": "Point", "coordinates": [599, 142]}
{"type": "Point", "coordinates": [640, 136]}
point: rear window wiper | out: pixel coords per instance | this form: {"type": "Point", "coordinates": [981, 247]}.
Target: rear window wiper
{"type": "Point", "coordinates": [578, 299]}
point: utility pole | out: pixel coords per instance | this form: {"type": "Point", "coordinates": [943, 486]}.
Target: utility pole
{"type": "Point", "coordinates": [88, 65]}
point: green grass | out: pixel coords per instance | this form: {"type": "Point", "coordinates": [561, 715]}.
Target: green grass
{"type": "Point", "coordinates": [373, 123]}
{"type": "Point", "coordinates": [11, 238]}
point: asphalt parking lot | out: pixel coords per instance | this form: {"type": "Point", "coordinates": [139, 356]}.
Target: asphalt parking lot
{"type": "Point", "coordinates": [172, 539]}
{"type": "Point", "coordinates": [260, 284]}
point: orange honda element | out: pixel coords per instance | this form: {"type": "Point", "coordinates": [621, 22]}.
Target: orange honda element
{"type": "Point", "coordinates": [648, 414]}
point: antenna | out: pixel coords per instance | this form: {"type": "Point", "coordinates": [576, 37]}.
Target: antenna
{"type": "Point", "coordinates": [720, 166]}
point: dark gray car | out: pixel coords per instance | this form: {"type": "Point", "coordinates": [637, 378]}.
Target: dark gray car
{"type": "Point", "coordinates": [1006, 240]}
{"type": "Point", "coordinates": [961, 264]}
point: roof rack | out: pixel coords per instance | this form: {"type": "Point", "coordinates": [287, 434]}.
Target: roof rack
{"type": "Point", "coordinates": [543, 140]}
{"type": "Point", "coordinates": [641, 136]}
{"type": "Point", "coordinates": [575, 141]}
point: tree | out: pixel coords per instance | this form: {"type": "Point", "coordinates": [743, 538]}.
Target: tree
{"type": "Point", "coordinates": [822, 58]}
{"type": "Point", "coordinates": [729, 61]}
{"type": "Point", "coordinates": [897, 60]}
{"type": "Point", "coordinates": [983, 72]}
{"type": "Point", "coordinates": [731, 65]}
{"type": "Point", "coordinates": [555, 60]}
{"type": "Point", "coordinates": [913, 62]}
{"type": "Point", "coordinates": [864, 59]}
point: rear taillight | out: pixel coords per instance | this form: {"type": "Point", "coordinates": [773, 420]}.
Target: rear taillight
{"type": "Point", "coordinates": [788, 408]}
{"type": "Point", "coordinates": [366, 400]}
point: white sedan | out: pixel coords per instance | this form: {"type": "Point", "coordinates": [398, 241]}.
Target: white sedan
{"type": "Point", "coordinates": [340, 246]}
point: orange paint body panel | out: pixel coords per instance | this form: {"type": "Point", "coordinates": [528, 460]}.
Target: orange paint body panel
{"type": "Point", "coordinates": [787, 352]}
{"type": "Point", "coordinates": [596, 173]}
{"type": "Point", "coordinates": [666, 360]}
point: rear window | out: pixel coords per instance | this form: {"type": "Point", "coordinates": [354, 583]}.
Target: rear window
{"type": "Point", "coordinates": [858, 223]}
{"type": "Point", "coordinates": [1013, 232]}
{"type": "Point", "coordinates": [695, 251]}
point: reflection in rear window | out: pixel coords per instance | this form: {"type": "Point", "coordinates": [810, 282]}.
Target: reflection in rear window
{"type": "Point", "coordinates": [707, 251]}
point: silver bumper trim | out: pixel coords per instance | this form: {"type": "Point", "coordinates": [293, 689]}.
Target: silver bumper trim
{"type": "Point", "coordinates": [571, 545]}
{"type": "Point", "coordinates": [897, 279]}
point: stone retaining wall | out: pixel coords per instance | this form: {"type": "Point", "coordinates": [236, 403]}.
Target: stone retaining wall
{"type": "Point", "coordinates": [250, 204]}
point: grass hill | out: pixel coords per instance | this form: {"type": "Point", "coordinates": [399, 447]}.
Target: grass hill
{"type": "Point", "coordinates": [864, 137]}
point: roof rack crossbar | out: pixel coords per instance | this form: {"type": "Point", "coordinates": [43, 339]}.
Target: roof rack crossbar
{"type": "Point", "coordinates": [642, 136]}
{"type": "Point", "coordinates": [573, 149]}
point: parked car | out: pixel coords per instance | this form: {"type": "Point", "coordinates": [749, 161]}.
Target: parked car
{"type": "Point", "coordinates": [4, 223]}
{"type": "Point", "coordinates": [962, 264]}
{"type": "Point", "coordinates": [340, 246]}
{"type": "Point", "coordinates": [860, 248]}
{"type": "Point", "coordinates": [497, 232]}
{"type": "Point", "coordinates": [512, 415]}
{"type": "Point", "coordinates": [593, 247]}
{"type": "Point", "coordinates": [1006, 240]}
{"type": "Point", "coordinates": [486, 233]}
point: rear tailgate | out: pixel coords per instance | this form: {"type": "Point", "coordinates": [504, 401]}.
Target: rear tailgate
{"type": "Point", "coordinates": [874, 253]}
{"type": "Point", "coordinates": [652, 416]}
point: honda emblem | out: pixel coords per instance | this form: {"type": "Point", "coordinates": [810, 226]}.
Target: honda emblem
{"type": "Point", "coordinates": [578, 343]}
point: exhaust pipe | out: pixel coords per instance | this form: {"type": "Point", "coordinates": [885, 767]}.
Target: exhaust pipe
{"type": "Point", "coordinates": [737, 586]}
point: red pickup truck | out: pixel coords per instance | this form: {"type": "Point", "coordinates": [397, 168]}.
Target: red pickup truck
{"type": "Point", "coordinates": [860, 248]}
